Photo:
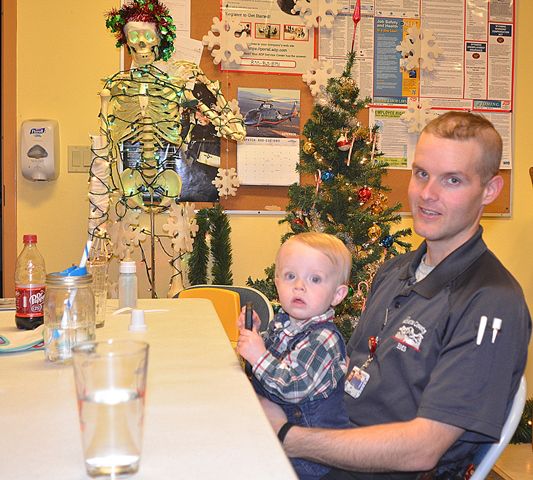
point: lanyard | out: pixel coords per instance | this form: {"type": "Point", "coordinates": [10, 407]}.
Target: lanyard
{"type": "Point", "coordinates": [374, 342]}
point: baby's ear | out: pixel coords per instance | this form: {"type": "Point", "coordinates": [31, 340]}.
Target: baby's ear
{"type": "Point", "coordinates": [340, 295]}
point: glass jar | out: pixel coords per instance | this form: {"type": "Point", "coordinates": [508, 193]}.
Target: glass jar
{"type": "Point", "coordinates": [69, 314]}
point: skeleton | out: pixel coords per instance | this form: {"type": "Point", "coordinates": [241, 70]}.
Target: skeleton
{"type": "Point", "coordinates": [151, 109]}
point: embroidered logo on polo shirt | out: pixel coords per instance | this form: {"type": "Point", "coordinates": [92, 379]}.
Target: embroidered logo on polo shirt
{"type": "Point", "coordinates": [411, 333]}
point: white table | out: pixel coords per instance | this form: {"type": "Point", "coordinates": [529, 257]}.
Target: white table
{"type": "Point", "coordinates": [202, 418]}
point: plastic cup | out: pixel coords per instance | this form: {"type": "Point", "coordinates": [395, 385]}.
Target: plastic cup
{"type": "Point", "coordinates": [111, 385]}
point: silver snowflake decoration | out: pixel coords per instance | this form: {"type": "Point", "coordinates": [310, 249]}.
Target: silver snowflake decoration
{"type": "Point", "coordinates": [419, 49]}
{"type": "Point", "coordinates": [126, 233]}
{"type": "Point", "coordinates": [317, 77]}
{"type": "Point", "coordinates": [317, 12]}
{"type": "Point", "coordinates": [418, 114]}
{"type": "Point", "coordinates": [226, 181]}
{"type": "Point", "coordinates": [181, 226]}
{"type": "Point", "coordinates": [228, 36]}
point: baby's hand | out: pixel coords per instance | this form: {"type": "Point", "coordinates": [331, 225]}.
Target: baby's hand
{"type": "Point", "coordinates": [250, 345]}
{"type": "Point", "coordinates": [241, 320]}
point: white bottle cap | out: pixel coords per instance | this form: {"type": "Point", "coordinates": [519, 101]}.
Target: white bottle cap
{"type": "Point", "coordinates": [137, 320]}
{"type": "Point", "coordinates": [128, 267]}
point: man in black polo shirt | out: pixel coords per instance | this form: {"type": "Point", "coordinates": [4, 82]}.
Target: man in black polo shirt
{"type": "Point", "coordinates": [429, 384]}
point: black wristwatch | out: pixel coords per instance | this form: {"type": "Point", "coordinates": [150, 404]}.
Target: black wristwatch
{"type": "Point", "coordinates": [284, 430]}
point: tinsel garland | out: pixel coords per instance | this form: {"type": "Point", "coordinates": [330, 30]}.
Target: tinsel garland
{"type": "Point", "coordinates": [214, 222]}
{"type": "Point", "coordinates": [151, 11]}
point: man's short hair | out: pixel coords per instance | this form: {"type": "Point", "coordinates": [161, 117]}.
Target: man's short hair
{"type": "Point", "coordinates": [464, 126]}
{"type": "Point", "coordinates": [332, 247]}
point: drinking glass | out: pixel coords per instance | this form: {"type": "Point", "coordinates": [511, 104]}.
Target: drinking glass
{"type": "Point", "coordinates": [111, 385]}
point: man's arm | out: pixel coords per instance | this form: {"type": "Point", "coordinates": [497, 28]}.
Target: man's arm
{"type": "Point", "coordinates": [416, 445]}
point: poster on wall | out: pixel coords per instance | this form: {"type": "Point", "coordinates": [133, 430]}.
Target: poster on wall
{"type": "Point", "coordinates": [467, 52]}
{"type": "Point", "coordinates": [280, 41]}
{"type": "Point", "coordinates": [270, 151]}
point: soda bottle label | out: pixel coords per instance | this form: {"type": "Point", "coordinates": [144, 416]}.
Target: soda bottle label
{"type": "Point", "coordinates": [29, 301]}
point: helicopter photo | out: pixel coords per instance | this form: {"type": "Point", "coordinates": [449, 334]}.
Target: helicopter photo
{"type": "Point", "coordinates": [272, 113]}
{"type": "Point", "coordinates": [267, 115]}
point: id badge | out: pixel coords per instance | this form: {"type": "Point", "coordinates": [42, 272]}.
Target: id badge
{"type": "Point", "coordinates": [356, 382]}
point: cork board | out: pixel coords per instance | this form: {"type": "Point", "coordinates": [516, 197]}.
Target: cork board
{"type": "Point", "coordinates": [261, 198]}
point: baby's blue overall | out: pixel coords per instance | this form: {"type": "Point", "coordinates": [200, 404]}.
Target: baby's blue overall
{"type": "Point", "coordinates": [321, 412]}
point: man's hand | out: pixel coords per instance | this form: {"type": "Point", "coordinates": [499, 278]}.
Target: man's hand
{"type": "Point", "coordinates": [274, 413]}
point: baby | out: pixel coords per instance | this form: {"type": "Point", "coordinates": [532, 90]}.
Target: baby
{"type": "Point", "coordinates": [301, 362]}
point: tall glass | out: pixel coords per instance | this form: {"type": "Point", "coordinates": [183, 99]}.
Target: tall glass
{"type": "Point", "coordinates": [111, 385]}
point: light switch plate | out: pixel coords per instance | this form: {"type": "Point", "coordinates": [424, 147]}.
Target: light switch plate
{"type": "Point", "coordinates": [79, 158]}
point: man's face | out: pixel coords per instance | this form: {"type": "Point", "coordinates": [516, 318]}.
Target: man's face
{"type": "Point", "coordinates": [445, 193]}
{"type": "Point", "coordinates": [142, 39]}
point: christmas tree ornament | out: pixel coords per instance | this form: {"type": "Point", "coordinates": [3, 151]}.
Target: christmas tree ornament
{"type": "Point", "coordinates": [364, 194]}
{"type": "Point", "coordinates": [231, 40]}
{"type": "Point", "coordinates": [350, 291]}
{"type": "Point", "coordinates": [327, 176]}
{"type": "Point", "coordinates": [316, 222]}
{"type": "Point", "coordinates": [308, 147]}
{"type": "Point", "coordinates": [319, 158]}
{"type": "Point", "coordinates": [387, 241]}
{"type": "Point", "coordinates": [298, 221]}
{"type": "Point", "coordinates": [377, 208]}
{"type": "Point", "coordinates": [318, 181]}
{"type": "Point", "coordinates": [317, 13]}
{"type": "Point", "coordinates": [356, 17]}
{"type": "Point", "coordinates": [343, 143]}
{"type": "Point", "coordinates": [374, 232]}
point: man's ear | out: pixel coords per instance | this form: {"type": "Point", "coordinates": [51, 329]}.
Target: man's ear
{"type": "Point", "coordinates": [492, 189]}
{"type": "Point", "coordinates": [340, 295]}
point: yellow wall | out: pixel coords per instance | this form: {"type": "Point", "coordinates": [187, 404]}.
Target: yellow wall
{"type": "Point", "coordinates": [63, 52]}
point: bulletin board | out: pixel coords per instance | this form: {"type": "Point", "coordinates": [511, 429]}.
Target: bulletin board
{"type": "Point", "coordinates": [274, 198]}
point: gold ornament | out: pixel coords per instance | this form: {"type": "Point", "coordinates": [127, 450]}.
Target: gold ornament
{"type": "Point", "coordinates": [319, 158]}
{"type": "Point", "coordinates": [374, 232]}
{"type": "Point", "coordinates": [377, 208]}
{"type": "Point", "coordinates": [309, 147]}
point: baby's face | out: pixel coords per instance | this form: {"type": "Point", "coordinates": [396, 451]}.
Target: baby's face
{"type": "Point", "coordinates": [307, 281]}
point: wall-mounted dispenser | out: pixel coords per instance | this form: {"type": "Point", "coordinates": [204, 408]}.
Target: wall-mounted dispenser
{"type": "Point", "coordinates": [39, 149]}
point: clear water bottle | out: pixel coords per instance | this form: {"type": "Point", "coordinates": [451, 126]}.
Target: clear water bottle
{"type": "Point", "coordinates": [30, 278]}
{"type": "Point", "coordinates": [97, 265]}
{"type": "Point", "coordinates": [69, 313]}
{"type": "Point", "coordinates": [127, 284]}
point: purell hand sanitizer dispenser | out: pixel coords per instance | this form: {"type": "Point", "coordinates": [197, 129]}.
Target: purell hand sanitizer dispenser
{"type": "Point", "coordinates": [39, 150]}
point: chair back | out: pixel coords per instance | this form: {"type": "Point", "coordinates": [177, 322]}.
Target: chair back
{"type": "Point", "coordinates": [226, 302]}
{"type": "Point", "coordinates": [262, 305]}
{"type": "Point", "coordinates": [494, 450]}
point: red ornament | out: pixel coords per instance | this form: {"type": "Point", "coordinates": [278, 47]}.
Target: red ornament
{"type": "Point", "coordinates": [343, 144]}
{"type": "Point", "coordinates": [299, 221]}
{"type": "Point", "coordinates": [364, 194]}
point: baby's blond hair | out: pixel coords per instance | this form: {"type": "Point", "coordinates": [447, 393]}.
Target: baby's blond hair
{"type": "Point", "coordinates": [330, 246]}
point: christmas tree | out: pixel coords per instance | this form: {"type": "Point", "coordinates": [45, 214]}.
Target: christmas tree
{"type": "Point", "coordinates": [347, 198]}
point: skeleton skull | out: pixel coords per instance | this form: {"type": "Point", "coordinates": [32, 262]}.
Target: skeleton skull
{"type": "Point", "coordinates": [143, 42]}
